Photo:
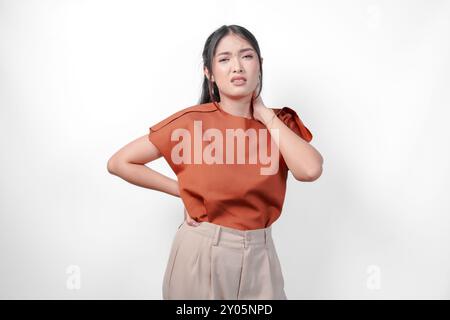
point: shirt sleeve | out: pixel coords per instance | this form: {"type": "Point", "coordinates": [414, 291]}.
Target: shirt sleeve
{"type": "Point", "coordinates": [293, 121]}
{"type": "Point", "coordinates": [160, 135]}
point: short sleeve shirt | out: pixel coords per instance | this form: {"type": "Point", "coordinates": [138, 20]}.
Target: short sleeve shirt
{"type": "Point", "coordinates": [226, 170]}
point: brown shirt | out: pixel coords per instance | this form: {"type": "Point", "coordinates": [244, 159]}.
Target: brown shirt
{"type": "Point", "coordinates": [214, 185]}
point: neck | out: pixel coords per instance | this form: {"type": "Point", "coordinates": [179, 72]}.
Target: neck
{"type": "Point", "coordinates": [237, 107]}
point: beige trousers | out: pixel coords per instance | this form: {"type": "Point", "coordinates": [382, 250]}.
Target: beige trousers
{"type": "Point", "coordinates": [216, 262]}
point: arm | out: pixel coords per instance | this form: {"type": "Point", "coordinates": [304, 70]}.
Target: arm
{"type": "Point", "coordinates": [129, 162]}
{"type": "Point", "coordinates": [302, 159]}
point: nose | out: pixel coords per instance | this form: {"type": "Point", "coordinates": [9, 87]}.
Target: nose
{"type": "Point", "coordinates": [237, 64]}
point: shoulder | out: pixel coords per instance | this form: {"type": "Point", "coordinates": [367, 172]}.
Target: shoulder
{"type": "Point", "coordinates": [290, 117]}
{"type": "Point", "coordinates": [205, 107]}
{"type": "Point", "coordinates": [285, 113]}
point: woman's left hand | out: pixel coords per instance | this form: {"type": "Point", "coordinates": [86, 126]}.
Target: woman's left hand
{"type": "Point", "coordinates": [260, 111]}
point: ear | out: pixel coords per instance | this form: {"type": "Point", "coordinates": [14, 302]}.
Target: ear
{"type": "Point", "coordinates": [205, 71]}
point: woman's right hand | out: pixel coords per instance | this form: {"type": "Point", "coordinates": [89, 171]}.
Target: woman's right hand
{"type": "Point", "coordinates": [189, 220]}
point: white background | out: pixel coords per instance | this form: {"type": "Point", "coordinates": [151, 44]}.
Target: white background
{"type": "Point", "coordinates": [80, 79]}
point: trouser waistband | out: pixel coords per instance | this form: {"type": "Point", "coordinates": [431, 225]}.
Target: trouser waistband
{"type": "Point", "coordinates": [227, 236]}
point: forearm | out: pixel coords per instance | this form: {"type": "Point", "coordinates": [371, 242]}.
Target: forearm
{"type": "Point", "coordinates": [143, 176]}
{"type": "Point", "coordinates": [302, 159]}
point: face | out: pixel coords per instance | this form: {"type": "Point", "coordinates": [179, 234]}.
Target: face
{"type": "Point", "coordinates": [235, 56]}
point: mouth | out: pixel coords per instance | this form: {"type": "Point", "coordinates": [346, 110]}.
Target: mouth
{"type": "Point", "coordinates": [239, 81]}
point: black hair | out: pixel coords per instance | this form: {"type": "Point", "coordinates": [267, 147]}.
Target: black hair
{"type": "Point", "coordinates": [210, 91]}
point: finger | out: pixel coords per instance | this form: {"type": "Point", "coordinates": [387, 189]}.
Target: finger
{"type": "Point", "coordinates": [193, 223]}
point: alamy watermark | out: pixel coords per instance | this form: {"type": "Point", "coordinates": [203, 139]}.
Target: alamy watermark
{"type": "Point", "coordinates": [374, 277]}
{"type": "Point", "coordinates": [73, 281]}
{"type": "Point", "coordinates": [213, 153]}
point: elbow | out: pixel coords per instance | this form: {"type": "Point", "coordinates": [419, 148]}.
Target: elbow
{"type": "Point", "coordinates": [111, 166]}
{"type": "Point", "coordinates": [314, 175]}
{"type": "Point", "coordinates": [310, 175]}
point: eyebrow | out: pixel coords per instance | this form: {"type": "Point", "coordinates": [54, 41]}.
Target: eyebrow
{"type": "Point", "coordinates": [240, 51]}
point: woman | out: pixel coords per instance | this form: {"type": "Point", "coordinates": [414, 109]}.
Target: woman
{"type": "Point", "coordinates": [232, 191]}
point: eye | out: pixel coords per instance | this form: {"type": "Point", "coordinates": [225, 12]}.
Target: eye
{"type": "Point", "coordinates": [249, 55]}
